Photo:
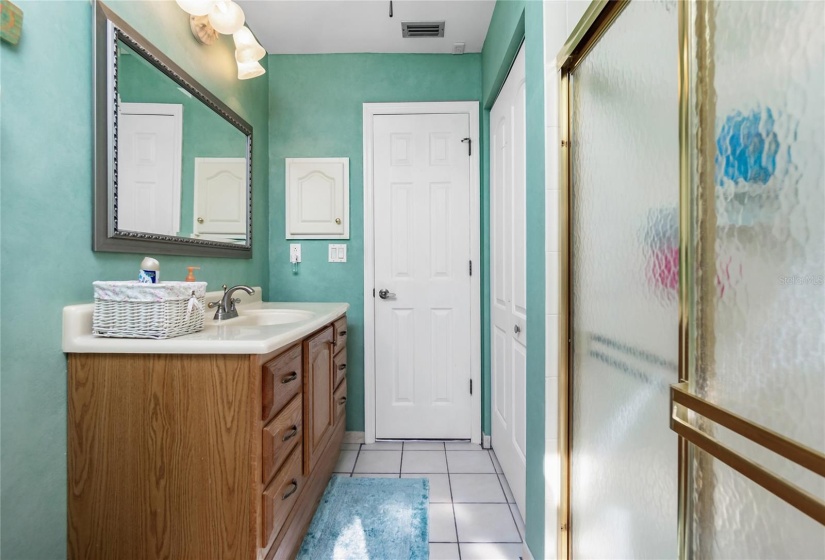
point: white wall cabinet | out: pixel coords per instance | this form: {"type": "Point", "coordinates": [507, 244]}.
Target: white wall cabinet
{"type": "Point", "coordinates": [317, 198]}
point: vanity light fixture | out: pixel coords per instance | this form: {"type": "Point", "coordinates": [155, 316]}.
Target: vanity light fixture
{"type": "Point", "coordinates": [247, 49]}
{"type": "Point", "coordinates": [247, 70]}
{"type": "Point", "coordinates": [226, 17]}
{"type": "Point", "coordinates": [207, 18]}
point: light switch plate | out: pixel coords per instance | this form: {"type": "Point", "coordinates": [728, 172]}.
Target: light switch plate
{"type": "Point", "coordinates": [337, 252]}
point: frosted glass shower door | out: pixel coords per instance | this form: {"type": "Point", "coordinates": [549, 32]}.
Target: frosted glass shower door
{"type": "Point", "coordinates": [759, 254]}
{"type": "Point", "coordinates": [624, 170]}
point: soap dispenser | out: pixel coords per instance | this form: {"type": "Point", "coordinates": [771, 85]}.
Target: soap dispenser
{"type": "Point", "coordinates": [190, 277]}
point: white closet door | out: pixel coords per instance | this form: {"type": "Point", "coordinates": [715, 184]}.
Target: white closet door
{"type": "Point", "coordinates": [422, 279]}
{"type": "Point", "coordinates": [508, 282]}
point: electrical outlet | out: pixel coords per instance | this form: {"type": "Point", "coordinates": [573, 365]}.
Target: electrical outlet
{"type": "Point", "coordinates": [337, 252]}
{"type": "Point", "coordinates": [294, 252]}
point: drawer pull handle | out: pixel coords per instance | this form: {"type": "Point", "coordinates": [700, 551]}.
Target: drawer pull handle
{"type": "Point", "coordinates": [292, 490]}
{"type": "Point", "coordinates": [290, 378]}
{"type": "Point", "coordinates": [342, 333]}
{"type": "Point", "coordinates": [291, 433]}
{"type": "Point", "coordinates": [342, 400]}
{"type": "Point", "coordinates": [342, 367]}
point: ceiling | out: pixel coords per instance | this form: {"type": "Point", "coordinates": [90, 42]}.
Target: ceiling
{"type": "Point", "coordinates": [364, 26]}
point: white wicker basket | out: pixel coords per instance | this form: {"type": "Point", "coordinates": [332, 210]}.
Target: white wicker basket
{"type": "Point", "coordinates": [136, 310]}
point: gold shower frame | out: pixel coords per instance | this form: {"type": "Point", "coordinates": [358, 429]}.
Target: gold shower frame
{"type": "Point", "coordinates": [694, 26]}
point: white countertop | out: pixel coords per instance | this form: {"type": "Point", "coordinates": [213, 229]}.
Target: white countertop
{"type": "Point", "coordinates": [227, 337]}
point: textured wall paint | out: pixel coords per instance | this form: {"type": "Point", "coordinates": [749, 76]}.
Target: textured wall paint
{"type": "Point", "coordinates": [46, 237]}
{"type": "Point", "coordinates": [513, 20]}
{"type": "Point", "coordinates": [316, 111]}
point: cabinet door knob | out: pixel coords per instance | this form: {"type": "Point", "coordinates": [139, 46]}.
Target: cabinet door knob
{"type": "Point", "coordinates": [292, 490]}
{"type": "Point", "coordinates": [342, 367]}
{"type": "Point", "coordinates": [516, 329]}
{"type": "Point", "coordinates": [291, 433]}
{"type": "Point", "coordinates": [290, 378]}
{"type": "Point", "coordinates": [200, 220]}
{"type": "Point", "coordinates": [342, 333]}
{"type": "Point", "coordinates": [338, 221]}
{"type": "Point", "coordinates": [342, 400]}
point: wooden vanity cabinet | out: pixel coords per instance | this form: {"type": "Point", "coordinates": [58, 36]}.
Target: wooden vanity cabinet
{"type": "Point", "coordinates": [201, 456]}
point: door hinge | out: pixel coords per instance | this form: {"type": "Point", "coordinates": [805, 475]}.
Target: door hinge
{"type": "Point", "coordinates": [373, 292]}
{"type": "Point", "coordinates": [471, 268]}
{"type": "Point", "coordinates": [469, 145]}
{"type": "Point", "coordinates": [471, 386]}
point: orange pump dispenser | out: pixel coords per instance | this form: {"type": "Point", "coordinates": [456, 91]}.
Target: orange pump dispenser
{"type": "Point", "coordinates": [191, 276]}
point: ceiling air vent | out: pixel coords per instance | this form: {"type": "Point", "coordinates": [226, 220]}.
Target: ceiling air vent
{"type": "Point", "coordinates": [422, 29]}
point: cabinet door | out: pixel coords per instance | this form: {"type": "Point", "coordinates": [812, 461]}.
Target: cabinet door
{"type": "Point", "coordinates": [319, 416]}
{"type": "Point", "coordinates": [317, 198]}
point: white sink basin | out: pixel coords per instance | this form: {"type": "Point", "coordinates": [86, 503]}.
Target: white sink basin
{"type": "Point", "coordinates": [264, 317]}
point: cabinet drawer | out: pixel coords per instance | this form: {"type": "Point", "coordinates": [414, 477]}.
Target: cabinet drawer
{"type": "Point", "coordinates": [340, 335]}
{"type": "Point", "coordinates": [280, 436]}
{"type": "Point", "coordinates": [340, 401]}
{"type": "Point", "coordinates": [280, 496]}
{"type": "Point", "coordinates": [282, 380]}
{"type": "Point", "coordinates": [339, 366]}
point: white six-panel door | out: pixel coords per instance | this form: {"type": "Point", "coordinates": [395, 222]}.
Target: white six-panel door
{"type": "Point", "coordinates": [508, 279]}
{"type": "Point", "coordinates": [422, 243]}
{"type": "Point", "coordinates": [149, 167]}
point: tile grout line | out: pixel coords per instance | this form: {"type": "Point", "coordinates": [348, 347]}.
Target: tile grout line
{"type": "Point", "coordinates": [512, 515]}
{"type": "Point", "coordinates": [357, 455]}
{"type": "Point", "coordinates": [452, 502]}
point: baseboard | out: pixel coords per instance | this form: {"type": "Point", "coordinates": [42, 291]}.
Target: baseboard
{"type": "Point", "coordinates": [353, 437]}
{"type": "Point", "coordinates": [486, 442]}
{"type": "Point", "coordinates": [525, 552]}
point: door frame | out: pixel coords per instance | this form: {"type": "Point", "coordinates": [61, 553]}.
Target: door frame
{"type": "Point", "coordinates": [370, 111]}
{"type": "Point", "coordinates": [174, 110]}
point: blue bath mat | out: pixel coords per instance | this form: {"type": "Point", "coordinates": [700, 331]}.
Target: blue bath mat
{"type": "Point", "coordinates": [370, 519]}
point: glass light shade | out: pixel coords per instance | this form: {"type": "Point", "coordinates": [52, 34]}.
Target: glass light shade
{"type": "Point", "coordinates": [226, 17]}
{"type": "Point", "coordinates": [247, 48]}
{"type": "Point", "coordinates": [247, 70]}
{"type": "Point", "coordinates": [196, 7]}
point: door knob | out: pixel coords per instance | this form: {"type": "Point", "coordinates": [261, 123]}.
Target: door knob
{"type": "Point", "coordinates": [516, 329]}
{"type": "Point", "coordinates": [385, 294]}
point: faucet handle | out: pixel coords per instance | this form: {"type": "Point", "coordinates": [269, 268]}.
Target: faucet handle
{"type": "Point", "coordinates": [213, 304]}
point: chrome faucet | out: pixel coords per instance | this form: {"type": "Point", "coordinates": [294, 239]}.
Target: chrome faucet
{"type": "Point", "coordinates": [226, 306]}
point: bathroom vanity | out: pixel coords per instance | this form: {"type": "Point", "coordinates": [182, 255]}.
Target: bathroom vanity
{"type": "Point", "coordinates": [212, 445]}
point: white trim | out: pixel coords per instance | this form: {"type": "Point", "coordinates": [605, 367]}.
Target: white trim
{"type": "Point", "coordinates": [346, 213]}
{"type": "Point", "coordinates": [174, 110]}
{"type": "Point", "coordinates": [470, 108]}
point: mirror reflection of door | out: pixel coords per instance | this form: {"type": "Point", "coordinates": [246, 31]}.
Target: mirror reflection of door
{"type": "Point", "coordinates": [149, 167]}
{"type": "Point", "coordinates": [220, 199]}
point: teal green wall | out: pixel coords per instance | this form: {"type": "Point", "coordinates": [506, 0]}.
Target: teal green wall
{"type": "Point", "coordinates": [316, 111]}
{"type": "Point", "coordinates": [46, 236]}
{"type": "Point", "coordinates": [205, 133]}
{"type": "Point", "coordinates": [512, 22]}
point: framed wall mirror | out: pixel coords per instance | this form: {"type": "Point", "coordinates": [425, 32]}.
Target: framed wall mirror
{"type": "Point", "coordinates": [173, 163]}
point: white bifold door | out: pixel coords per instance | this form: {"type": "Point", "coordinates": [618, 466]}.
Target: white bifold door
{"type": "Point", "coordinates": [422, 279]}
{"type": "Point", "coordinates": [508, 282]}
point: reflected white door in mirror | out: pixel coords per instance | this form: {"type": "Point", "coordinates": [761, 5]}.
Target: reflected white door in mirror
{"type": "Point", "coordinates": [150, 161]}
{"type": "Point", "coordinates": [220, 199]}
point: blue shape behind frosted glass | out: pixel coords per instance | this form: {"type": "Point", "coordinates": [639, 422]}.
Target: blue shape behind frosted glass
{"type": "Point", "coordinates": [746, 148]}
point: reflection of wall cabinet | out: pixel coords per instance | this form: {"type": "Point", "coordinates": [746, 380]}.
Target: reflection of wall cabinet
{"type": "Point", "coordinates": [317, 198]}
{"type": "Point", "coordinates": [202, 456]}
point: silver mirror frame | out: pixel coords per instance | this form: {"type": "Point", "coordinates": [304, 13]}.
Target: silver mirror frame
{"type": "Point", "coordinates": [108, 29]}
